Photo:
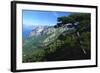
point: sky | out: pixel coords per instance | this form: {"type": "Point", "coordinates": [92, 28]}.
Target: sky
{"type": "Point", "coordinates": [41, 18]}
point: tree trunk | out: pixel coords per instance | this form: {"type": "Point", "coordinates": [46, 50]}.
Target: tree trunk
{"type": "Point", "coordinates": [78, 35]}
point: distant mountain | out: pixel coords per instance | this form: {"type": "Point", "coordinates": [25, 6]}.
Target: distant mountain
{"type": "Point", "coordinates": [27, 29]}
{"type": "Point", "coordinates": [41, 30]}
{"type": "Point", "coordinates": [41, 36]}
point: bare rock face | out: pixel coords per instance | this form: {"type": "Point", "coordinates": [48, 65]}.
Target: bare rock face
{"type": "Point", "coordinates": [41, 30]}
{"type": "Point", "coordinates": [47, 34]}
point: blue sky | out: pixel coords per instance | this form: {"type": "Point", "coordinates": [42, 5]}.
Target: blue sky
{"type": "Point", "coordinates": [41, 18]}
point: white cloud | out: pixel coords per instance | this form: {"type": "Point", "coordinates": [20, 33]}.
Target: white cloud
{"type": "Point", "coordinates": [55, 13]}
